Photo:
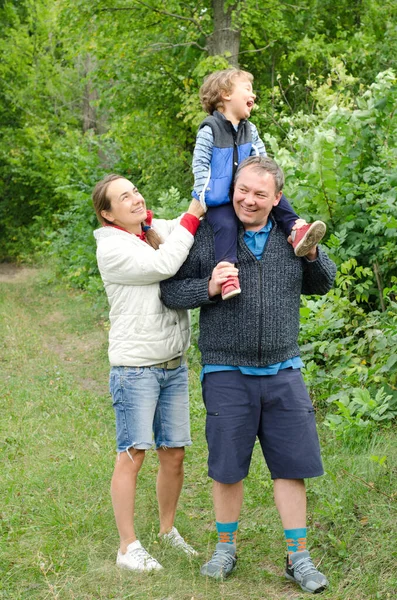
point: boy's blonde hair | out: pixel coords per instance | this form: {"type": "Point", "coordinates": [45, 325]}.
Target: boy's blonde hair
{"type": "Point", "coordinates": [217, 84]}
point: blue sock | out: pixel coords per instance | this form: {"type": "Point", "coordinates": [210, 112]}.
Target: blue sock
{"type": "Point", "coordinates": [227, 532]}
{"type": "Point", "coordinates": [296, 539]}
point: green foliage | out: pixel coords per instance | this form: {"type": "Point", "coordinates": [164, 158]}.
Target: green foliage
{"type": "Point", "coordinates": [350, 363]}
{"type": "Point", "coordinates": [342, 169]}
{"type": "Point", "coordinates": [358, 413]}
{"type": "Point", "coordinates": [89, 89]}
{"type": "Point", "coordinates": [139, 66]}
{"type": "Point", "coordinates": [170, 204]}
{"type": "Point", "coordinates": [354, 281]}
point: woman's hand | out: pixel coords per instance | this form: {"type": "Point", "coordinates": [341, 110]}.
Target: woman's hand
{"type": "Point", "coordinates": [196, 209]}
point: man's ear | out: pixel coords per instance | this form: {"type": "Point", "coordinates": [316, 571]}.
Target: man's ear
{"type": "Point", "coordinates": [277, 199]}
{"type": "Point", "coordinates": [106, 214]}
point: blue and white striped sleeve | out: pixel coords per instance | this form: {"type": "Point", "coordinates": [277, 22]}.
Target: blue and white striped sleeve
{"type": "Point", "coordinates": [202, 155]}
{"type": "Point", "coordinates": [257, 142]}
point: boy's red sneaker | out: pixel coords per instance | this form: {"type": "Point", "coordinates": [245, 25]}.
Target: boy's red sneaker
{"type": "Point", "coordinates": [308, 236]}
{"type": "Point", "coordinates": [230, 288]}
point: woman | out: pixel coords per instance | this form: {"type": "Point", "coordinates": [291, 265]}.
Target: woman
{"type": "Point", "coordinates": [147, 342]}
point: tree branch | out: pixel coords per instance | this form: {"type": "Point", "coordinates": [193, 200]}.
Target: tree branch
{"type": "Point", "coordinates": [379, 284]}
{"type": "Point", "coordinates": [256, 50]}
{"type": "Point", "coordinates": [165, 45]}
{"type": "Point", "coordinates": [157, 10]}
{"type": "Point", "coordinates": [371, 486]}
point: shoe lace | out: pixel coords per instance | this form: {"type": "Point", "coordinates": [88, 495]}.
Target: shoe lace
{"type": "Point", "coordinates": [304, 567]}
{"type": "Point", "coordinates": [142, 556]}
{"type": "Point", "coordinates": [178, 540]}
{"type": "Point", "coordinates": [222, 559]}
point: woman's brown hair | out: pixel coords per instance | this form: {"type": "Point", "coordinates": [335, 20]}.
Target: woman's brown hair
{"type": "Point", "coordinates": [101, 202]}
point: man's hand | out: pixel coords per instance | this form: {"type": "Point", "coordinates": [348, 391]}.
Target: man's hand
{"type": "Point", "coordinates": [312, 255]}
{"type": "Point", "coordinates": [222, 271]}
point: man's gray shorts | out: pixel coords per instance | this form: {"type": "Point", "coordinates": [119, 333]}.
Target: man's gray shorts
{"type": "Point", "coordinates": [276, 409]}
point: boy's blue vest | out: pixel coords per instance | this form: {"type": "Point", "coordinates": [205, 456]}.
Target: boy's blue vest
{"type": "Point", "coordinates": [230, 148]}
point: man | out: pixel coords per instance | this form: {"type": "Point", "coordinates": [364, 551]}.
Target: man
{"type": "Point", "coordinates": [252, 384]}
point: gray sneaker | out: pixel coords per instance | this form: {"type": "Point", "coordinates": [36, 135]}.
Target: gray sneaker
{"type": "Point", "coordinates": [301, 569]}
{"type": "Point", "coordinates": [222, 562]}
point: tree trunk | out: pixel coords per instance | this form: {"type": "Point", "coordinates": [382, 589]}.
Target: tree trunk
{"type": "Point", "coordinates": [91, 120]}
{"type": "Point", "coordinates": [224, 39]}
{"type": "Point", "coordinates": [90, 95]}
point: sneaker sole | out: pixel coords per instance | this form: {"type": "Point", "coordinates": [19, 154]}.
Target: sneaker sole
{"type": "Point", "coordinates": [305, 589]}
{"type": "Point", "coordinates": [137, 569]}
{"type": "Point", "coordinates": [313, 236]}
{"type": "Point", "coordinates": [220, 577]}
{"type": "Point", "coordinates": [191, 552]}
{"type": "Point", "coordinates": [231, 294]}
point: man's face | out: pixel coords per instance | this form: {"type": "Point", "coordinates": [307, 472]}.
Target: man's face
{"type": "Point", "coordinates": [254, 197]}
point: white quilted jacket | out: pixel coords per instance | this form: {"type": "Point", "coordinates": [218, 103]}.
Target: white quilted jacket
{"type": "Point", "coordinates": [143, 331]}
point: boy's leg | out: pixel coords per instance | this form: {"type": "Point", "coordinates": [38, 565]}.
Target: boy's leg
{"type": "Point", "coordinates": [285, 215]}
{"type": "Point", "coordinates": [224, 224]}
{"type": "Point", "coordinates": [305, 237]}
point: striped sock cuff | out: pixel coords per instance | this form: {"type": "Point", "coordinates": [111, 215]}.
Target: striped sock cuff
{"type": "Point", "coordinates": [227, 532]}
{"type": "Point", "coordinates": [296, 539]}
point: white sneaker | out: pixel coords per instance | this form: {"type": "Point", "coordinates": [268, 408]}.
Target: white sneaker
{"type": "Point", "coordinates": [137, 559]}
{"type": "Point", "coordinates": [174, 539]}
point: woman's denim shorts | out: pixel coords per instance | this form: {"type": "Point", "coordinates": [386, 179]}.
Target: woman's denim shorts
{"type": "Point", "coordinates": [151, 407]}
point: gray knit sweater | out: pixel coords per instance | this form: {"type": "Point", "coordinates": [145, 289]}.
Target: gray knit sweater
{"type": "Point", "coordinates": [260, 326]}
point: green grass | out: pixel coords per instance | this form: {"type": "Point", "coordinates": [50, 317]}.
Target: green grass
{"type": "Point", "coordinates": [58, 539]}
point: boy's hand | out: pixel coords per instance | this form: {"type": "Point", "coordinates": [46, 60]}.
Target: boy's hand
{"type": "Point", "coordinates": [222, 271]}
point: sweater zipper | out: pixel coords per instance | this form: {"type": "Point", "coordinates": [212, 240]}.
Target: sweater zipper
{"type": "Point", "coordinates": [260, 299]}
{"type": "Point", "coordinates": [260, 313]}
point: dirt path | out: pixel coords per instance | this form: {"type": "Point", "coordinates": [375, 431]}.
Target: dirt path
{"type": "Point", "coordinates": [12, 273]}
{"type": "Point", "coordinates": [64, 322]}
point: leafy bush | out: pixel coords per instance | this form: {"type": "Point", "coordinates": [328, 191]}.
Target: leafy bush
{"type": "Point", "coordinates": [340, 166]}
{"type": "Point", "coordinates": [359, 414]}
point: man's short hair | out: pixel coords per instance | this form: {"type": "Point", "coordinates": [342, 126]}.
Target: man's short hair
{"type": "Point", "coordinates": [218, 84]}
{"type": "Point", "coordinates": [263, 164]}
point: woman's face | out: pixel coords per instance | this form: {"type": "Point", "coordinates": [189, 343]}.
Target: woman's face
{"type": "Point", "coordinates": [127, 205]}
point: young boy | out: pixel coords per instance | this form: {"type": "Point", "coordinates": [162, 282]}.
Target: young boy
{"type": "Point", "coordinates": [225, 138]}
